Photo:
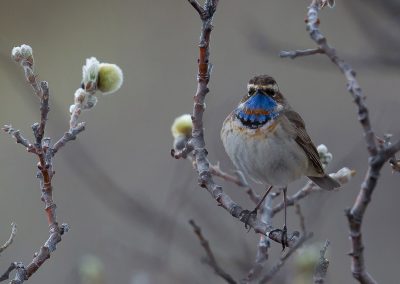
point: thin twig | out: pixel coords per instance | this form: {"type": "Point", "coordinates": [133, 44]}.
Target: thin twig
{"type": "Point", "coordinates": [377, 156]}
{"type": "Point", "coordinates": [342, 176]}
{"type": "Point", "coordinates": [301, 218]}
{"type": "Point", "coordinates": [322, 267]}
{"type": "Point", "coordinates": [297, 53]}
{"type": "Point", "coordinates": [210, 260]}
{"type": "Point", "coordinates": [275, 269]}
{"type": "Point", "coordinates": [10, 239]}
{"type": "Point", "coordinates": [239, 179]}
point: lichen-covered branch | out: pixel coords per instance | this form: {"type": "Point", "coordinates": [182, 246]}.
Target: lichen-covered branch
{"type": "Point", "coordinates": [378, 156]}
{"type": "Point", "coordinates": [10, 239]}
{"type": "Point", "coordinates": [210, 260]}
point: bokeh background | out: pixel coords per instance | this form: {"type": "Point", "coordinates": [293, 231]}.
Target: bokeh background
{"type": "Point", "coordinates": [127, 201]}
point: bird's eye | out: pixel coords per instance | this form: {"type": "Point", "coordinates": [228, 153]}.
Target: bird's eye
{"type": "Point", "coordinates": [270, 92]}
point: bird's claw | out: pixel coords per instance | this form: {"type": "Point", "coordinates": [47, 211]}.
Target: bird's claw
{"type": "Point", "coordinates": [247, 216]}
{"type": "Point", "coordinates": [284, 238]}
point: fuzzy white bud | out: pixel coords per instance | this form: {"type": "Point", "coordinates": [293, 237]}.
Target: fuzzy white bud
{"type": "Point", "coordinates": [90, 72]}
{"type": "Point", "coordinates": [16, 54]}
{"type": "Point", "coordinates": [26, 51]}
{"type": "Point", "coordinates": [324, 155]}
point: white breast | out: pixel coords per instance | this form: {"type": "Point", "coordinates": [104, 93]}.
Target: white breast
{"type": "Point", "coordinates": [268, 155]}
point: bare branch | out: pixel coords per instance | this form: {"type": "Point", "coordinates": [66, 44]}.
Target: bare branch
{"type": "Point", "coordinates": [68, 136]}
{"type": "Point", "coordinates": [322, 267]}
{"type": "Point", "coordinates": [210, 260]}
{"type": "Point", "coordinates": [18, 137]}
{"type": "Point", "coordinates": [377, 156]}
{"type": "Point", "coordinates": [10, 239]}
{"type": "Point", "coordinates": [41, 148]}
{"type": "Point", "coordinates": [298, 53]}
{"type": "Point", "coordinates": [275, 269]}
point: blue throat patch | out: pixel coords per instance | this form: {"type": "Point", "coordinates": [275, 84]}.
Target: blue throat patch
{"type": "Point", "coordinates": [257, 111]}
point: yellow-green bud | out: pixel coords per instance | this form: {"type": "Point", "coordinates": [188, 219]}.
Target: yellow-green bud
{"type": "Point", "coordinates": [109, 79]}
{"type": "Point", "coordinates": [182, 126]}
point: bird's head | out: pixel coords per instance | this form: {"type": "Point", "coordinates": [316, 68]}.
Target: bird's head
{"type": "Point", "coordinates": [262, 103]}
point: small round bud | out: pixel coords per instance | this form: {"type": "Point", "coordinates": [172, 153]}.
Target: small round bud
{"type": "Point", "coordinates": [110, 78]}
{"type": "Point", "coordinates": [72, 108]}
{"type": "Point", "coordinates": [182, 126]}
{"type": "Point", "coordinates": [16, 54]}
{"type": "Point", "coordinates": [322, 149]}
{"type": "Point", "coordinates": [26, 51]}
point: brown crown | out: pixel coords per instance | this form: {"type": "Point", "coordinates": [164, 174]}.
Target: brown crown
{"type": "Point", "coordinates": [262, 80]}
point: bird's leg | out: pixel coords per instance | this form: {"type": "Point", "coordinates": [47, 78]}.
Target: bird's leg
{"type": "Point", "coordinates": [284, 240]}
{"type": "Point", "coordinates": [249, 214]}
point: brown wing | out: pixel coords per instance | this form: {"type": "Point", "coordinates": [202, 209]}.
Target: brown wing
{"type": "Point", "coordinates": [304, 141]}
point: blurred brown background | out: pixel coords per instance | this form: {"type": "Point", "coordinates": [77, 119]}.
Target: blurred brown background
{"type": "Point", "coordinates": [126, 200]}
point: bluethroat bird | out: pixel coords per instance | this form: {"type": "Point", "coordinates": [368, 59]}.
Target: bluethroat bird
{"type": "Point", "coordinates": [267, 140]}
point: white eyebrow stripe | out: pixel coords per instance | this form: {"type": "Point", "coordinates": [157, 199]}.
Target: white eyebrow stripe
{"type": "Point", "coordinates": [261, 87]}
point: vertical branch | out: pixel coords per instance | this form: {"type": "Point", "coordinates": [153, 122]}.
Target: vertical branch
{"type": "Point", "coordinates": [196, 143]}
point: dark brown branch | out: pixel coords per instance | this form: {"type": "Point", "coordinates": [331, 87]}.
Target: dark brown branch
{"type": "Point", "coordinates": [322, 267]}
{"type": "Point", "coordinates": [297, 53]}
{"type": "Point", "coordinates": [197, 142]}
{"type": "Point", "coordinates": [275, 269]}
{"type": "Point", "coordinates": [378, 156]}
{"type": "Point", "coordinates": [210, 260]}
{"type": "Point", "coordinates": [10, 239]}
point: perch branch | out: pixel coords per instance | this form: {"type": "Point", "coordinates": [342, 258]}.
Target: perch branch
{"type": "Point", "coordinates": [197, 142]}
{"type": "Point", "coordinates": [378, 156]}
{"type": "Point", "coordinates": [239, 179]}
{"type": "Point", "coordinates": [322, 267]}
{"type": "Point", "coordinates": [210, 260]}
{"type": "Point", "coordinates": [10, 239]}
